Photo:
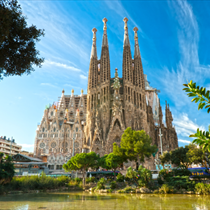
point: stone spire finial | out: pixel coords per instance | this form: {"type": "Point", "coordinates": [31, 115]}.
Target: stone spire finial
{"type": "Point", "coordinates": [136, 50]}
{"type": "Point", "coordinates": [126, 39]}
{"type": "Point", "coordinates": [105, 21]}
{"type": "Point", "coordinates": [72, 92]}
{"type": "Point", "coordinates": [125, 21]}
{"type": "Point", "coordinates": [94, 51]}
{"type": "Point", "coordinates": [105, 40]}
{"type": "Point", "coordinates": [82, 91]}
{"type": "Point", "coordinates": [63, 91]}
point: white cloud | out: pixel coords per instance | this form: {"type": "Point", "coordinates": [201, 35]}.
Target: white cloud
{"type": "Point", "coordinates": [185, 126]}
{"type": "Point", "coordinates": [49, 85]}
{"type": "Point", "coordinates": [184, 141]}
{"type": "Point", "coordinates": [62, 65]}
{"type": "Point", "coordinates": [189, 67]}
{"type": "Point", "coordinates": [83, 76]}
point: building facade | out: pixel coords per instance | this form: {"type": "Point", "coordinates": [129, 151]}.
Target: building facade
{"type": "Point", "coordinates": [93, 122]}
{"type": "Point", "coordinates": [9, 147]}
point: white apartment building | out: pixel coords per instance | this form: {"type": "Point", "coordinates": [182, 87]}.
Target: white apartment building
{"type": "Point", "coordinates": [6, 145]}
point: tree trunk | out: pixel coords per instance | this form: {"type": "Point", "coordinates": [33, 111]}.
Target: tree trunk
{"type": "Point", "coordinates": [83, 175]}
{"type": "Point", "coordinates": [114, 175]}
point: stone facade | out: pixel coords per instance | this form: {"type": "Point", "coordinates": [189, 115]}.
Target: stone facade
{"type": "Point", "coordinates": [93, 122]}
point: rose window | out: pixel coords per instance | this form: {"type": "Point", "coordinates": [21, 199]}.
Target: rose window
{"type": "Point", "coordinates": [42, 145]}
{"type": "Point", "coordinates": [53, 144]}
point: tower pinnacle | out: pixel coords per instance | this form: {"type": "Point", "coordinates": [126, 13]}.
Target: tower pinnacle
{"type": "Point", "coordinates": [105, 20]}
{"type": "Point", "coordinates": [105, 40]}
{"type": "Point", "coordinates": [126, 39]}
{"type": "Point", "coordinates": [136, 50]}
{"type": "Point", "coordinates": [94, 51]}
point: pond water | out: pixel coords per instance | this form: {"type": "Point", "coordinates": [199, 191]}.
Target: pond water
{"type": "Point", "coordinates": [92, 201]}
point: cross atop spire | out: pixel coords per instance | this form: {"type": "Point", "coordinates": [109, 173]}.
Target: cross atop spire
{"type": "Point", "coordinates": [94, 51]}
{"type": "Point", "coordinates": [126, 39]}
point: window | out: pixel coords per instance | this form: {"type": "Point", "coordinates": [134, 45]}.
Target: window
{"type": "Point", "coordinates": [51, 167]}
{"type": "Point", "coordinates": [76, 129]}
{"type": "Point", "coordinates": [51, 113]}
{"type": "Point", "coordinates": [61, 114]}
{"type": "Point", "coordinates": [42, 129]}
{"type": "Point", "coordinates": [81, 114]}
{"type": "Point", "coordinates": [71, 114]}
{"type": "Point", "coordinates": [53, 144]}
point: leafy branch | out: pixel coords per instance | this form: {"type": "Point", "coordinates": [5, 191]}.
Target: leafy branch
{"type": "Point", "coordinates": [202, 139]}
{"type": "Point", "coordinates": [199, 94]}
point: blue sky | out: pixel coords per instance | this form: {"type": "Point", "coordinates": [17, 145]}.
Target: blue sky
{"type": "Point", "coordinates": [174, 43]}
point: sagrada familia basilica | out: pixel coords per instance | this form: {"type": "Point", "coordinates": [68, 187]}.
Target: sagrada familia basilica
{"type": "Point", "coordinates": [93, 122]}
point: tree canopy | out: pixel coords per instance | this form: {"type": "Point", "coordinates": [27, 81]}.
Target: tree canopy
{"type": "Point", "coordinates": [82, 161]}
{"type": "Point", "coordinates": [134, 145]}
{"type": "Point", "coordinates": [17, 41]}
{"type": "Point", "coordinates": [7, 169]}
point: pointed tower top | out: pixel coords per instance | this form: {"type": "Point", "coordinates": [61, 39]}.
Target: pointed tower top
{"type": "Point", "coordinates": [82, 92]}
{"type": "Point", "coordinates": [126, 39]}
{"type": "Point", "coordinates": [94, 51]}
{"type": "Point", "coordinates": [125, 21]}
{"type": "Point", "coordinates": [105, 40]}
{"type": "Point", "coordinates": [63, 91]}
{"type": "Point", "coordinates": [105, 20]}
{"type": "Point", "coordinates": [72, 92]}
{"type": "Point", "coordinates": [136, 50]}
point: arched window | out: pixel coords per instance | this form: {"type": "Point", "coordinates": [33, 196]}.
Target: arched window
{"type": "Point", "coordinates": [54, 129]}
{"type": "Point", "coordinates": [97, 141]}
{"type": "Point", "coordinates": [51, 113]}
{"type": "Point", "coordinates": [43, 129]}
{"type": "Point", "coordinates": [61, 114]}
{"type": "Point", "coordinates": [71, 114]}
{"type": "Point", "coordinates": [81, 114]}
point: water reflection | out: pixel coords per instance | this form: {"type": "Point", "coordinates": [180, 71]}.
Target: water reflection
{"type": "Point", "coordinates": [94, 201]}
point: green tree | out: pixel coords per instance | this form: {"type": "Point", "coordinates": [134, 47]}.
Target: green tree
{"type": "Point", "coordinates": [196, 155]}
{"type": "Point", "coordinates": [17, 41]}
{"type": "Point", "coordinates": [113, 162]}
{"type": "Point", "coordinates": [165, 158]}
{"type": "Point", "coordinates": [7, 169]}
{"type": "Point", "coordinates": [145, 176]}
{"type": "Point", "coordinates": [134, 145]}
{"type": "Point", "coordinates": [179, 156]}
{"type": "Point", "coordinates": [201, 95]}
{"type": "Point", "coordinates": [82, 162]}
{"type": "Point", "coordinates": [132, 175]}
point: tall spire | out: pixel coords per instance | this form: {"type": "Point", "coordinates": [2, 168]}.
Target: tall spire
{"type": "Point", "coordinates": [127, 59]}
{"type": "Point", "coordinates": [105, 62]}
{"type": "Point", "coordinates": [136, 50]}
{"type": "Point", "coordinates": [105, 40]}
{"type": "Point", "coordinates": [94, 51]}
{"type": "Point", "coordinates": [126, 38]}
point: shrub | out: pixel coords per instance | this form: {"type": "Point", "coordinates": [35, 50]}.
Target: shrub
{"type": "Point", "coordinates": [144, 176]}
{"type": "Point", "coordinates": [113, 185]}
{"type": "Point", "coordinates": [109, 190]}
{"type": "Point", "coordinates": [165, 189]}
{"type": "Point", "coordinates": [201, 188]}
{"type": "Point", "coordinates": [90, 180]}
{"type": "Point", "coordinates": [181, 182]}
{"type": "Point", "coordinates": [120, 178]}
{"type": "Point", "coordinates": [165, 175]}
{"type": "Point", "coordinates": [128, 189]}
{"type": "Point", "coordinates": [77, 180]}
{"type": "Point", "coordinates": [181, 171]}
{"type": "Point", "coordinates": [101, 183]}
